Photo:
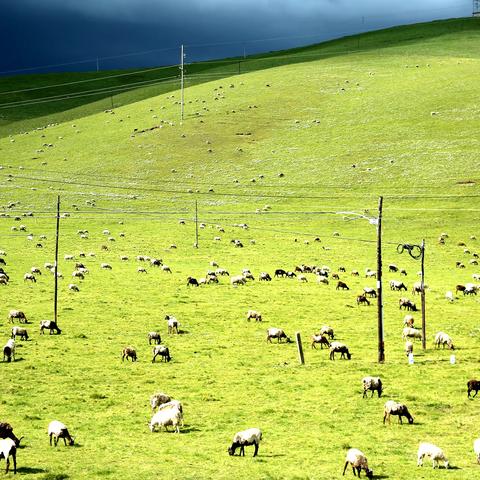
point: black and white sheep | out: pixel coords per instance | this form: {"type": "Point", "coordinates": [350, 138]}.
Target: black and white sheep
{"type": "Point", "coordinates": [8, 449]}
{"type": "Point", "coordinates": [155, 336]}
{"type": "Point", "coordinates": [17, 314]}
{"type": "Point", "coordinates": [277, 333]}
{"type": "Point", "coordinates": [393, 408]}
{"type": "Point", "coordinates": [245, 438]}
{"type": "Point", "coordinates": [397, 285]}
{"type": "Point", "coordinates": [9, 350]}
{"type": "Point", "coordinates": [358, 461]}
{"type": "Point", "coordinates": [129, 352]}
{"type": "Point", "coordinates": [21, 332]}
{"type": "Point", "coordinates": [158, 399]}
{"type": "Point", "coordinates": [320, 339]}
{"type": "Point", "coordinates": [57, 430]}
{"type": "Point", "coordinates": [473, 386]}
{"type": "Point", "coordinates": [337, 347]}
{"type": "Point", "coordinates": [432, 451]}
{"type": "Point", "coordinates": [253, 314]}
{"type": "Point", "coordinates": [162, 351]}
{"type": "Point", "coordinates": [326, 330]}
{"type": "Point", "coordinates": [49, 325]}
{"type": "Point", "coordinates": [373, 384]}
{"type": "Point", "coordinates": [172, 324]}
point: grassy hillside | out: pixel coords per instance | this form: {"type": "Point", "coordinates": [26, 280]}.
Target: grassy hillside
{"type": "Point", "coordinates": [396, 118]}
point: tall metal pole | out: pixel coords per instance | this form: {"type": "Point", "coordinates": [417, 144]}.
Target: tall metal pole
{"type": "Point", "coordinates": [424, 328]}
{"type": "Point", "coordinates": [196, 224]}
{"type": "Point", "coordinates": [381, 344]}
{"type": "Point", "coordinates": [56, 262]}
{"type": "Point", "coordinates": [181, 84]}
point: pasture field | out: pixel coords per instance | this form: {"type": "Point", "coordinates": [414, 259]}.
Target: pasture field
{"type": "Point", "coordinates": [394, 119]}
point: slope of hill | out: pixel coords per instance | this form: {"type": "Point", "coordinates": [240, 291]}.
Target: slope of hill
{"type": "Point", "coordinates": [292, 151]}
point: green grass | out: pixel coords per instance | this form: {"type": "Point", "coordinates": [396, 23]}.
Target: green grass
{"type": "Point", "coordinates": [374, 109]}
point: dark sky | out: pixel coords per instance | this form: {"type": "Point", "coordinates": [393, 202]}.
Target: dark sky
{"type": "Point", "coordinates": [37, 33]}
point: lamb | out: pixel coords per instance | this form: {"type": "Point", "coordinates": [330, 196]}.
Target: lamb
{"type": "Point", "coordinates": [476, 449]}
{"type": "Point", "coordinates": [443, 339]}
{"type": "Point", "coordinates": [397, 285]}
{"type": "Point", "coordinates": [163, 351]}
{"type": "Point", "coordinates": [277, 333]}
{"type": "Point", "coordinates": [326, 330]}
{"type": "Point", "coordinates": [321, 340]}
{"type": "Point", "coordinates": [432, 451]}
{"type": "Point", "coordinates": [158, 399]}
{"type": "Point", "coordinates": [245, 438]}
{"type": "Point", "coordinates": [169, 414]}
{"type": "Point", "coordinates": [9, 350]}
{"type": "Point", "coordinates": [373, 384]}
{"type": "Point", "coordinates": [58, 430]}
{"type": "Point", "coordinates": [394, 408]}
{"type": "Point", "coordinates": [408, 321]}
{"type": "Point", "coordinates": [21, 332]}
{"type": "Point", "coordinates": [18, 314]}
{"type": "Point", "coordinates": [342, 285]}
{"type": "Point", "coordinates": [358, 461]}
{"type": "Point", "coordinates": [411, 333]}
{"type": "Point", "coordinates": [172, 323]}
{"type": "Point", "coordinates": [340, 348]}
{"type": "Point", "coordinates": [8, 449]}
{"type": "Point", "coordinates": [129, 352]}
{"type": "Point", "coordinates": [255, 315]}
{"type": "Point", "coordinates": [408, 348]}
{"type": "Point", "coordinates": [473, 385]}
{"type": "Point", "coordinates": [49, 325]}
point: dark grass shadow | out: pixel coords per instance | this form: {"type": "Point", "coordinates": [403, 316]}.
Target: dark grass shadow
{"type": "Point", "coordinates": [30, 470]}
{"type": "Point", "coordinates": [189, 429]}
{"type": "Point", "coordinates": [272, 455]}
{"type": "Point", "coordinates": [183, 332]}
{"type": "Point", "coordinates": [381, 476]}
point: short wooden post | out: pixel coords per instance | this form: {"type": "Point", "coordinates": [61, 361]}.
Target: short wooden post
{"type": "Point", "coordinates": [298, 339]}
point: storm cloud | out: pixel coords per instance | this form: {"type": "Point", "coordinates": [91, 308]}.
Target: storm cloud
{"type": "Point", "coordinates": [75, 32]}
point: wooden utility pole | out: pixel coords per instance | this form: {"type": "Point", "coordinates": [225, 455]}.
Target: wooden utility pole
{"type": "Point", "coordinates": [56, 262]}
{"type": "Point", "coordinates": [298, 339]}
{"type": "Point", "coordinates": [381, 344]}
{"type": "Point", "coordinates": [196, 224]}
{"type": "Point", "coordinates": [181, 84]}
{"type": "Point", "coordinates": [424, 328]}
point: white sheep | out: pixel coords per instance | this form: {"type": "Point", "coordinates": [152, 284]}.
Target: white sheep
{"type": "Point", "coordinates": [372, 384]}
{"type": "Point", "coordinates": [237, 280]}
{"type": "Point", "coordinates": [21, 332]}
{"type": "Point", "coordinates": [255, 315]}
{"type": "Point", "coordinates": [8, 449]}
{"type": "Point", "coordinates": [243, 439]}
{"type": "Point", "coordinates": [172, 323]}
{"type": "Point", "coordinates": [408, 348]}
{"type": "Point", "coordinates": [73, 287]}
{"type": "Point", "coordinates": [58, 430]}
{"type": "Point", "coordinates": [358, 461]}
{"type": "Point", "coordinates": [411, 333]}
{"type": "Point", "coordinates": [441, 338]}
{"type": "Point", "coordinates": [476, 449]}
{"type": "Point", "coordinates": [408, 321]}
{"type": "Point", "coordinates": [169, 415]}
{"type": "Point", "coordinates": [432, 451]}
{"type": "Point", "coordinates": [9, 350]}
{"type": "Point", "coordinates": [449, 296]}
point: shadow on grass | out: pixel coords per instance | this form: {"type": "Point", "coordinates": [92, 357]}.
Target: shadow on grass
{"type": "Point", "coordinates": [381, 476]}
{"type": "Point", "coordinates": [273, 455]}
{"type": "Point", "coordinates": [31, 470]}
{"type": "Point", "coordinates": [189, 429]}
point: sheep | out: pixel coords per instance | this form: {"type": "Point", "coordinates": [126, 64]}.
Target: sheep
{"type": "Point", "coordinates": [393, 408]}
{"type": "Point", "coordinates": [302, 278]}
{"type": "Point", "coordinates": [255, 315]}
{"type": "Point", "coordinates": [192, 281]}
{"type": "Point", "coordinates": [370, 292]}
{"type": "Point", "coordinates": [459, 288]}
{"type": "Point", "coordinates": [443, 339]}
{"type": "Point", "coordinates": [19, 315]}
{"type": "Point", "coordinates": [326, 330]}
{"type": "Point", "coordinates": [373, 384]}
{"type": "Point", "coordinates": [355, 273]}
{"type": "Point", "coordinates": [408, 321]}
{"type": "Point", "coordinates": [277, 333]}
{"type": "Point", "coordinates": [238, 280]}
{"type": "Point", "coordinates": [58, 430]}
{"type": "Point", "coordinates": [279, 272]}
{"type": "Point", "coordinates": [321, 340]}
{"type": "Point", "coordinates": [432, 451]}
{"type": "Point", "coordinates": [73, 287]}
{"type": "Point", "coordinates": [245, 438]}
{"type": "Point", "coordinates": [21, 332]}
{"type": "Point", "coordinates": [155, 336]}
{"type": "Point", "coordinates": [48, 265]}
{"type": "Point", "coordinates": [476, 449]}
{"type": "Point", "coordinates": [362, 299]}
{"type": "Point", "coordinates": [6, 431]}
{"type": "Point", "coordinates": [392, 268]}
{"type": "Point", "coordinates": [156, 262]}
{"type": "Point", "coordinates": [166, 268]}
{"type": "Point", "coordinates": [222, 272]}
{"type": "Point", "coordinates": [172, 323]}
{"type": "Point", "coordinates": [417, 288]}
{"type": "Point", "coordinates": [407, 304]}
{"type": "Point", "coordinates": [35, 270]}
{"type": "Point", "coordinates": [291, 275]}
{"type": "Point", "coordinates": [403, 272]}
{"type": "Point", "coordinates": [9, 351]}
{"type": "Point", "coordinates": [166, 416]}
{"type": "Point", "coordinates": [264, 276]}
{"type": "Point", "coordinates": [158, 399]}
{"type": "Point", "coordinates": [49, 325]}
{"type": "Point", "coordinates": [8, 449]}
{"type": "Point", "coordinates": [358, 461]}
{"type": "Point", "coordinates": [411, 333]}
{"type": "Point", "coordinates": [473, 385]}
{"type": "Point", "coordinates": [340, 348]}
{"type": "Point", "coordinates": [3, 280]}
{"type": "Point", "coordinates": [370, 273]}
{"type": "Point", "coordinates": [68, 257]}
{"type": "Point", "coordinates": [470, 289]}
{"type": "Point", "coordinates": [449, 296]}
{"type": "Point", "coordinates": [397, 285]}
{"type": "Point", "coordinates": [342, 285]}
{"type": "Point", "coordinates": [408, 348]}
{"type": "Point", "coordinates": [78, 274]}
{"type": "Point", "coordinates": [163, 351]}
{"type": "Point", "coordinates": [129, 352]}
{"type": "Point", "coordinates": [342, 269]}
{"type": "Point", "coordinates": [106, 266]}
{"type": "Point", "coordinates": [322, 279]}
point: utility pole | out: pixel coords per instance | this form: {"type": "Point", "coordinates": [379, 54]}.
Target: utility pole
{"type": "Point", "coordinates": [424, 328]}
{"type": "Point", "coordinates": [56, 262]}
{"type": "Point", "coordinates": [381, 344]}
{"type": "Point", "coordinates": [181, 83]}
{"type": "Point", "coordinates": [196, 224]}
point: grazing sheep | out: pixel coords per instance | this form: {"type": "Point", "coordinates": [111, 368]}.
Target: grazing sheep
{"type": "Point", "coordinates": [397, 285]}
{"type": "Point", "coordinates": [443, 339]}
{"type": "Point", "coordinates": [407, 304]}
{"type": "Point", "coordinates": [156, 262]}
{"type": "Point", "coordinates": [392, 268]}
{"type": "Point", "coordinates": [394, 408]}
{"type": "Point", "coordinates": [355, 273]}
{"type": "Point", "coordinates": [58, 430]}
{"type": "Point", "coordinates": [255, 315]}
{"type": "Point", "coordinates": [432, 451]}
{"type": "Point", "coordinates": [408, 321]}
{"type": "Point", "coordinates": [302, 278]}
{"type": "Point", "coordinates": [279, 272]}
{"type": "Point", "coordinates": [449, 296]}
{"type": "Point", "coordinates": [141, 270]}
{"type": "Point", "coordinates": [339, 348]}
{"type": "Point", "coordinates": [291, 275]}
{"type": "Point", "coordinates": [243, 439]}
{"type": "Point", "coordinates": [155, 336]}
{"type": "Point", "coordinates": [172, 323]}
{"type": "Point", "coordinates": [473, 385]}
{"type": "Point", "coordinates": [373, 384]}
{"type": "Point", "coordinates": [321, 340]}
{"type": "Point", "coordinates": [322, 279]}
{"type": "Point", "coordinates": [408, 348]}
{"type": "Point", "coordinates": [158, 399]}
{"type": "Point", "coordinates": [21, 332]}
{"type": "Point", "coordinates": [470, 289]}
{"type": "Point", "coordinates": [476, 449]}
{"type": "Point", "coordinates": [68, 257]}
{"type": "Point", "coordinates": [73, 287]}
{"type": "Point", "coordinates": [326, 330]}
{"type": "Point", "coordinates": [459, 288]}
{"type": "Point", "coordinates": [169, 415]}
{"type": "Point", "coordinates": [163, 351]}
{"type": "Point", "coordinates": [264, 276]}
{"type": "Point", "coordinates": [35, 270]}
{"type": "Point", "coordinates": [362, 299]}
{"type": "Point", "coordinates": [3, 280]}
{"type": "Point", "coordinates": [129, 352]}
{"type": "Point", "coordinates": [403, 272]}
{"type": "Point", "coordinates": [342, 285]}
{"type": "Point", "coordinates": [238, 280]}
{"type": "Point", "coordinates": [8, 449]}
{"type": "Point", "coordinates": [370, 273]}
{"type": "Point", "coordinates": [78, 274]}
{"type": "Point", "coordinates": [49, 325]}
{"type": "Point", "coordinates": [358, 461]}
{"type": "Point", "coordinates": [222, 272]}
{"type": "Point", "coordinates": [17, 314]}
{"type": "Point", "coordinates": [166, 268]}
{"type": "Point", "coordinates": [417, 288]}
{"type": "Point", "coordinates": [277, 333]}
{"type": "Point", "coordinates": [370, 292]}
{"type": "Point", "coordinates": [106, 266]}
{"type": "Point", "coordinates": [192, 281]}
{"type": "Point", "coordinates": [411, 333]}
{"type": "Point", "coordinates": [9, 351]}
